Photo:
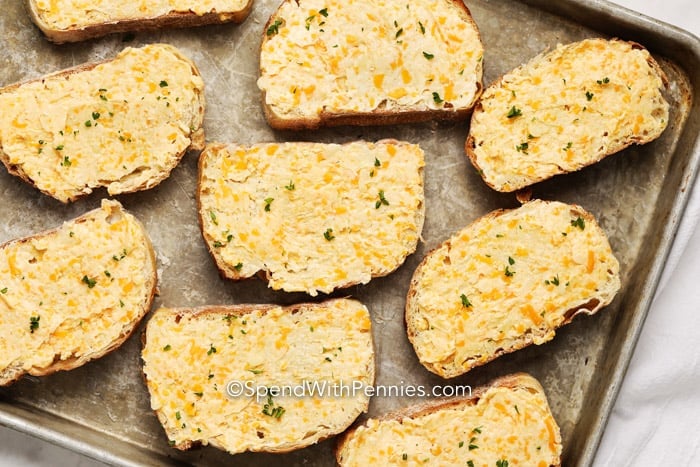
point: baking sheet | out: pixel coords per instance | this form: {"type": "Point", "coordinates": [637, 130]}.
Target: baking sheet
{"type": "Point", "coordinates": [102, 409]}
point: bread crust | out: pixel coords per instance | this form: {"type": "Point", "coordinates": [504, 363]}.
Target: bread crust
{"type": "Point", "coordinates": [197, 137]}
{"type": "Point", "coordinates": [629, 140]}
{"type": "Point", "coordinates": [12, 374]}
{"type": "Point", "coordinates": [589, 308]}
{"type": "Point", "coordinates": [377, 116]}
{"type": "Point", "coordinates": [511, 381]}
{"type": "Point", "coordinates": [171, 20]}
{"type": "Point", "coordinates": [228, 271]}
{"type": "Point", "coordinates": [240, 311]}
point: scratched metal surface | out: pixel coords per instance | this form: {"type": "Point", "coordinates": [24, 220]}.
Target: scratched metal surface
{"type": "Point", "coordinates": [102, 409]}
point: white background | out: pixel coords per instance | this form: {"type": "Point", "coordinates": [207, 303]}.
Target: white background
{"type": "Point", "coordinates": [656, 420]}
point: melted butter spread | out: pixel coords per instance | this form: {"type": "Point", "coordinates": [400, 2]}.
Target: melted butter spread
{"type": "Point", "coordinates": [507, 277]}
{"type": "Point", "coordinates": [74, 291]}
{"type": "Point", "coordinates": [314, 216]}
{"type": "Point", "coordinates": [514, 425]}
{"type": "Point", "coordinates": [361, 56]}
{"type": "Point", "coordinates": [71, 14]}
{"type": "Point", "coordinates": [120, 125]}
{"type": "Point", "coordinates": [577, 104]}
{"type": "Point", "coordinates": [189, 361]}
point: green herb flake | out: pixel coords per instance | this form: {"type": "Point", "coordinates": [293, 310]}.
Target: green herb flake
{"type": "Point", "coordinates": [377, 162]}
{"type": "Point", "coordinates": [511, 261]}
{"type": "Point", "coordinates": [163, 84]}
{"type": "Point", "coordinates": [465, 301]}
{"type": "Point", "coordinates": [290, 187]}
{"type": "Point", "coordinates": [274, 28]}
{"type": "Point", "coordinates": [95, 115]}
{"type": "Point", "coordinates": [66, 162]}
{"type": "Point", "coordinates": [238, 267]}
{"type": "Point", "coordinates": [268, 203]}
{"type": "Point", "coordinates": [508, 272]}
{"type": "Point", "coordinates": [502, 463]}
{"type": "Point", "coordinates": [89, 282]}
{"type": "Point", "coordinates": [477, 430]}
{"type": "Point", "coordinates": [88, 123]}
{"type": "Point", "coordinates": [255, 371]}
{"type": "Point", "coordinates": [589, 95]}
{"type": "Point", "coordinates": [605, 80]}
{"type": "Point", "coordinates": [514, 112]}
{"type": "Point", "coordinates": [3, 291]}
{"type": "Point", "coordinates": [328, 235]}
{"type": "Point", "coordinates": [461, 444]}
{"type": "Point", "coordinates": [167, 347]}
{"type": "Point", "coordinates": [218, 244]}
{"type": "Point", "coordinates": [59, 147]}
{"type": "Point", "coordinates": [323, 12]}
{"type": "Point", "coordinates": [437, 98]}
{"type": "Point", "coordinates": [516, 409]}
{"type": "Point", "coordinates": [34, 323]}
{"type": "Point", "coordinates": [522, 147]}
{"type": "Point", "coordinates": [472, 447]}
{"type": "Point", "coordinates": [121, 303]}
{"type": "Point", "coordinates": [470, 463]}
{"type": "Point", "coordinates": [568, 146]}
{"type": "Point", "coordinates": [211, 350]}
{"type": "Point", "coordinates": [212, 216]}
{"type": "Point", "coordinates": [404, 456]}
{"type": "Point", "coordinates": [382, 200]}
{"type": "Point", "coordinates": [428, 56]}
{"type": "Point", "coordinates": [177, 415]}
{"type": "Point", "coordinates": [579, 222]}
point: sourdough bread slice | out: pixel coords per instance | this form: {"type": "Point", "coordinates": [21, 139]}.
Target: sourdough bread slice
{"type": "Point", "coordinates": [508, 280]}
{"type": "Point", "coordinates": [123, 124]}
{"type": "Point", "coordinates": [77, 20]}
{"type": "Point", "coordinates": [311, 217]}
{"type": "Point", "coordinates": [74, 294]}
{"type": "Point", "coordinates": [208, 370]}
{"type": "Point", "coordinates": [505, 423]}
{"type": "Point", "coordinates": [566, 109]}
{"type": "Point", "coordinates": [369, 62]}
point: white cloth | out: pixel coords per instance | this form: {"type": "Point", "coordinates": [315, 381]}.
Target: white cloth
{"type": "Point", "coordinates": [656, 419]}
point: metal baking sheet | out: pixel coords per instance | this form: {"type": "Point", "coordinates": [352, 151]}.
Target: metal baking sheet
{"type": "Point", "coordinates": [102, 409]}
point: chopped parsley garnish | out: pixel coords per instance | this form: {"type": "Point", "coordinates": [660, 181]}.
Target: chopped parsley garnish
{"type": "Point", "coordinates": [377, 162]}
{"type": "Point", "coordinates": [605, 80]}
{"type": "Point", "coordinates": [579, 222]}
{"type": "Point", "coordinates": [66, 162]}
{"type": "Point", "coordinates": [218, 244]}
{"type": "Point", "coordinates": [461, 444]}
{"type": "Point", "coordinates": [470, 463]}
{"type": "Point", "coordinates": [59, 147]}
{"type": "Point", "coordinates": [268, 203]}
{"type": "Point", "coordinates": [328, 234]}
{"type": "Point", "coordinates": [121, 256]}
{"type": "Point", "coordinates": [88, 123]}
{"type": "Point", "coordinates": [508, 272]}
{"type": "Point", "coordinates": [163, 84]}
{"type": "Point", "coordinates": [211, 350]}
{"type": "Point", "coordinates": [514, 112]}
{"type": "Point", "coordinates": [472, 446]}
{"type": "Point", "coordinates": [3, 291]}
{"type": "Point", "coordinates": [382, 200]}
{"type": "Point", "coordinates": [89, 282]}
{"type": "Point", "coordinates": [308, 21]}
{"type": "Point", "coordinates": [167, 347]}
{"type": "Point", "coordinates": [465, 301]}
{"type": "Point", "coordinates": [522, 147]}
{"type": "Point", "coordinates": [255, 371]}
{"type": "Point", "coordinates": [212, 216]}
{"type": "Point", "coordinates": [238, 266]}
{"type": "Point", "coordinates": [271, 410]}
{"type": "Point", "coordinates": [511, 261]}
{"type": "Point", "coordinates": [404, 456]}
{"type": "Point", "coordinates": [274, 28]}
{"type": "Point", "coordinates": [177, 415]}
{"type": "Point", "coordinates": [437, 98]}
{"type": "Point", "coordinates": [554, 280]}
{"type": "Point", "coordinates": [422, 28]}
{"type": "Point", "coordinates": [291, 186]}
{"type": "Point", "coordinates": [589, 95]}
{"type": "Point", "coordinates": [121, 303]}
{"type": "Point", "coordinates": [34, 323]}
{"type": "Point", "coordinates": [323, 12]}
{"type": "Point", "coordinates": [198, 394]}
{"type": "Point", "coordinates": [568, 146]}
{"type": "Point", "coordinates": [477, 430]}
{"type": "Point", "coordinates": [428, 56]}
{"type": "Point", "coordinates": [502, 463]}
{"type": "Point", "coordinates": [516, 409]}
{"type": "Point", "coordinates": [398, 33]}
{"type": "Point", "coordinates": [95, 115]}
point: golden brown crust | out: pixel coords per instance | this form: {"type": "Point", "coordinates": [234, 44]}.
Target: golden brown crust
{"type": "Point", "coordinates": [171, 20]}
{"type": "Point", "coordinates": [197, 137]}
{"type": "Point", "coordinates": [10, 375]}
{"type": "Point", "coordinates": [470, 143]}
{"type": "Point", "coordinates": [378, 116]}
{"type": "Point", "coordinates": [589, 308]}
{"type": "Point", "coordinates": [512, 381]}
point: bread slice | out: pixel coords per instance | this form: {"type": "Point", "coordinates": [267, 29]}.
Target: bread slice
{"type": "Point", "coordinates": [311, 217]}
{"type": "Point", "coordinates": [505, 423]}
{"type": "Point", "coordinates": [566, 109]}
{"type": "Point", "coordinates": [73, 294]}
{"type": "Point", "coordinates": [508, 280]}
{"type": "Point", "coordinates": [364, 62]}
{"type": "Point", "coordinates": [123, 124]}
{"type": "Point", "coordinates": [209, 371]}
{"type": "Point", "coordinates": [77, 20]}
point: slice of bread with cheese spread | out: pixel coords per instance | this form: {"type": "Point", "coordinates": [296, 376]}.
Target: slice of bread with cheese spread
{"type": "Point", "coordinates": [566, 109]}
{"type": "Point", "coordinates": [123, 124]}
{"type": "Point", "coordinates": [77, 20]}
{"type": "Point", "coordinates": [506, 423]}
{"type": "Point", "coordinates": [369, 62]}
{"type": "Point", "coordinates": [506, 281]}
{"type": "Point", "coordinates": [311, 217]}
{"type": "Point", "coordinates": [74, 294]}
{"type": "Point", "coordinates": [259, 377]}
